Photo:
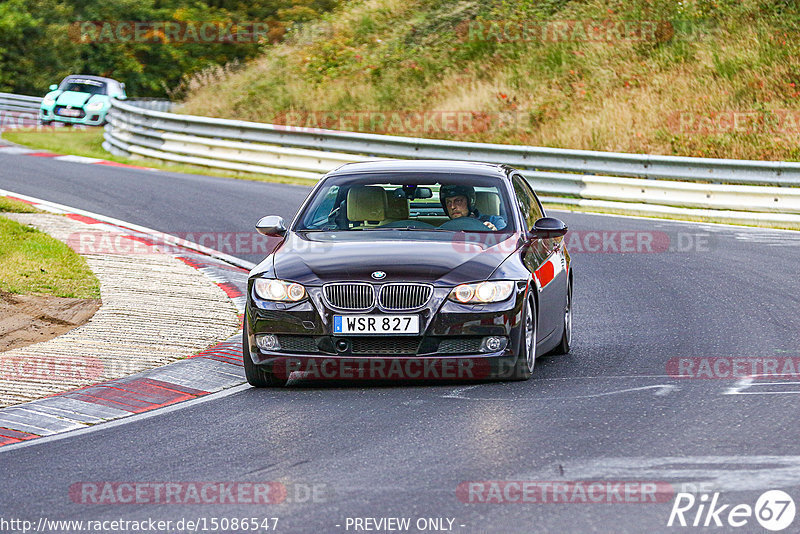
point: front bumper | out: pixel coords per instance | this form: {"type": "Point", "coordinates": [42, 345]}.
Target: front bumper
{"type": "Point", "coordinates": [449, 346]}
{"type": "Point", "coordinates": [89, 118]}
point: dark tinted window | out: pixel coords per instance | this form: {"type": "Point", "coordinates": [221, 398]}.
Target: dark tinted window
{"type": "Point", "coordinates": [527, 201]}
{"type": "Point", "coordinates": [84, 86]}
{"type": "Point", "coordinates": [409, 201]}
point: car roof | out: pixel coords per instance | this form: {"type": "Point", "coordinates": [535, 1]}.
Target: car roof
{"type": "Point", "coordinates": [438, 166]}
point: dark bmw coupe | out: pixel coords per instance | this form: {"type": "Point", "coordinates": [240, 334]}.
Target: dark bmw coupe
{"type": "Point", "coordinates": [410, 270]}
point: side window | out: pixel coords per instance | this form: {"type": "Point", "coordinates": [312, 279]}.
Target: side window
{"type": "Point", "coordinates": [528, 203]}
{"type": "Point", "coordinates": [320, 214]}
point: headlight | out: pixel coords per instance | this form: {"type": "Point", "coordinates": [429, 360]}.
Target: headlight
{"type": "Point", "coordinates": [94, 106]}
{"type": "Point", "coordinates": [48, 101]}
{"type": "Point", "coordinates": [482, 292]}
{"type": "Point", "coordinates": [279, 290]}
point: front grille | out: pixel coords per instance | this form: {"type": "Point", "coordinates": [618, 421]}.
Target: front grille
{"type": "Point", "coordinates": [384, 345]}
{"type": "Point", "coordinates": [350, 296]}
{"type": "Point", "coordinates": [302, 344]}
{"type": "Point", "coordinates": [57, 110]}
{"type": "Point", "coordinates": [460, 345]}
{"type": "Point", "coordinates": [404, 296]}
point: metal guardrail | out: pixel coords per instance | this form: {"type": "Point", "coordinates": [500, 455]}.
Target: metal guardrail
{"type": "Point", "coordinates": [153, 104]}
{"type": "Point", "coordinates": [730, 190]}
{"type": "Point", "coordinates": [12, 102]}
{"type": "Point", "coordinates": [19, 111]}
{"type": "Point", "coordinates": [23, 110]}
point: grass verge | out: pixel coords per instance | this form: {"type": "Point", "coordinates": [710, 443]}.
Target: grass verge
{"type": "Point", "coordinates": [9, 205]}
{"type": "Point", "coordinates": [32, 262]}
{"type": "Point", "coordinates": [89, 143]}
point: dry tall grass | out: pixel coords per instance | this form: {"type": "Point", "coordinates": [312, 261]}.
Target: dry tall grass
{"type": "Point", "coordinates": [627, 96]}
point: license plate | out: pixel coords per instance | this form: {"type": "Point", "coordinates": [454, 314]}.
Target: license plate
{"type": "Point", "coordinates": [376, 324]}
{"type": "Point", "coordinates": [70, 112]}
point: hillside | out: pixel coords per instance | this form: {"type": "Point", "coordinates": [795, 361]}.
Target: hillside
{"type": "Point", "coordinates": [714, 78]}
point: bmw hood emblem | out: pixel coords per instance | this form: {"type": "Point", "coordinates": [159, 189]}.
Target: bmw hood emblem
{"type": "Point", "coordinates": [379, 275]}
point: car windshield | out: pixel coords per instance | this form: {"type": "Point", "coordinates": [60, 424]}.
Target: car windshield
{"type": "Point", "coordinates": [437, 202]}
{"type": "Point", "coordinates": [85, 86]}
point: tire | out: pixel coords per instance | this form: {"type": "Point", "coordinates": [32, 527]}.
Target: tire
{"type": "Point", "coordinates": [526, 357]}
{"type": "Point", "coordinates": [46, 123]}
{"type": "Point", "coordinates": [256, 376]}
{"type": "Point", "coordinates": [566, 338]}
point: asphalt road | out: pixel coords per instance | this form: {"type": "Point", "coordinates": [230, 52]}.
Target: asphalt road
{"type": "Point", "coordinates": [609, 411]}
{"type": "Point", "coordinates": [172, 203]}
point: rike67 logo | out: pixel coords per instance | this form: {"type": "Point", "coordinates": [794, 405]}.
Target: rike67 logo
{"type": "Point", "coordinates": [774, 510]}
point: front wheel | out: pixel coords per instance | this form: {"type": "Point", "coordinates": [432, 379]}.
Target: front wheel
{"type": "Point", "coordinates": [526, 357]}
{"type": "Point", "coordinates": [256, 376]}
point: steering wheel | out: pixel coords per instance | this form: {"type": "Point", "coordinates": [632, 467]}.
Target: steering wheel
{"type": "Point", "coordinates": [465, 224]}
{"type": "Point", "coordinates": [407, 223]}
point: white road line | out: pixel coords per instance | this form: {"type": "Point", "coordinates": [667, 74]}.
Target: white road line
{"type": "Point", "coordinates": [722, 473]}
{"type": "Point", "coordinates": [128, 419]}
{"type": "Point", "coordinates": [746, 383]}
{"type": "Point", "coordinates": [77, 159]}
{"type": "Point", "coordinates": [595, 377]}
{"type": "Point", "coordinates": [14, 150]}
{"type": "Point", "coordinates": [458, 393]}
{"type": "Point", "coordinates": [661, 390]}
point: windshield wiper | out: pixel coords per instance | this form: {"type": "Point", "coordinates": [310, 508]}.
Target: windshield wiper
{"type": "Point", "coordinates": [412, 229]}
{"type": "Point", "coordinates": [406, 229]}
{"type": "Point", "coordinates": [362, 229]}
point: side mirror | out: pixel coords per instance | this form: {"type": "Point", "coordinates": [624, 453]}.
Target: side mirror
{"type": "Point", "coordinates": [548, 228]}
{"type": "Point", "coordinates": [53, 87]}
{"type": "Point", "coordinates": [271, 225]}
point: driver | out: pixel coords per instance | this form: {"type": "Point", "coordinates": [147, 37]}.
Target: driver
{"type": "Point", "coordinates": [459, 201]}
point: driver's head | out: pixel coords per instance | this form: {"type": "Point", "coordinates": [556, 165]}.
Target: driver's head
{"type": "Point", "coordinates": [457, 200]}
